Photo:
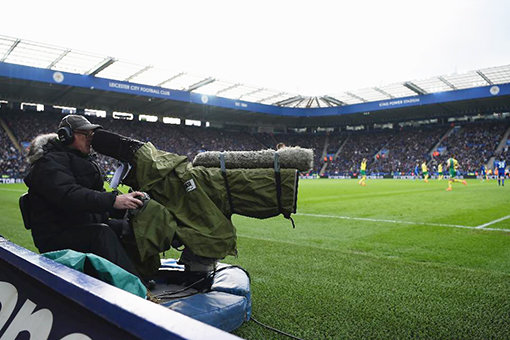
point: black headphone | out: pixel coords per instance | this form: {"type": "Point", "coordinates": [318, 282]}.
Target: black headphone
{"type": "Point", "coordinates": [65, 133]}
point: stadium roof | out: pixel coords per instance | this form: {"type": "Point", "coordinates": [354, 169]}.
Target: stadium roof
{"type": "Point", "coordinates": [29, 53]}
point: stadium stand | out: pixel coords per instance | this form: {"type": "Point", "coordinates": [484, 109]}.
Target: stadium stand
{"type": "Point", "coordinates": [472, 144]}
{"type": "Point", "coordinates": [359, 145]}
{"type": "Point", "coordinates": [406, 148]}
{"type": "Point", "coordinates": [389, 151]}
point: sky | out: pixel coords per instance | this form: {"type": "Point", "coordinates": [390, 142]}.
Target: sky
{"type": "Point", "coordinates": [310, 48]}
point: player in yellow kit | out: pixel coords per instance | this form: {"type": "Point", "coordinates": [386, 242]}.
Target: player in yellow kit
{"type": "Point", "coordinates": [452, 164]}
{"type": "Point", "coordinates": [440, 175]}
{"type": "Point", "coordinates": [363, 172]}
{"type": "Point", "coordinates": [425, 171]}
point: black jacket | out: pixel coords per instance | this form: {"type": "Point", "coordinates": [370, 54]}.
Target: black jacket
{"type": "Point", "coordinates": [65, 189]}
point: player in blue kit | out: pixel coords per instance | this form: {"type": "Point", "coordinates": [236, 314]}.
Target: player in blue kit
{"type": "Point", "coordinates": [483, 173]}
{"type": "Point", "coordinates": [501, 166]}
{"type": "Point", "coordinates": [416, 170]}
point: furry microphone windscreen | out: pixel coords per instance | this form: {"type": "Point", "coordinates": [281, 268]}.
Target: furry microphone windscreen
{"type": "Point", "coordinates": [289, 158]}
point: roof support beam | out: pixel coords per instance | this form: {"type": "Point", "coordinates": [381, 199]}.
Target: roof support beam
{"type": "Point", "coordinates": [415, 88]}
{"type": "Point", "coordinates": [299, 102]}
{"type": "Point", "coordinates": [251, 93]}
{"type": "Point", "coordinates": [271, 97]}
{"type": "Point", "coordinates": [357, 97]}
{"type": "Point", "coordinates": [288, 101]}
{"type": "Point", "coordinates": [137, 73]}
{"type": "Point", "coordinates": [333, 100]}
{"type": "Point", "coordinates": [59, 58]}
{"type": "Point", "coordinates": [171, 78]}
{"type": "Point", "coordinates": [381, 91]}
{"type": "Point", "coordinates": [9, 51]}
{"type": "Point", "coordinates": [328, 103]}
{"type": "Point", "coordinates": [484, 77]}
{"type": "Point", "coordinates": [104, 64]}
{"type": "Point", "coordinates": [447, 83]}
{"type": "Point", "coordinates": [200, 84]}
{"type": "Point", "coordinates": [310, 102]}
{"type": "Point", "coordinates": [228, 88]}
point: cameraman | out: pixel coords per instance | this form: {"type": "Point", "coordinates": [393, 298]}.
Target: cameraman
{"type": "Point", "coordinates": [69, 208]}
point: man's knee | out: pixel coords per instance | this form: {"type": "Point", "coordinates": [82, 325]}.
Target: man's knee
{"type": "Point", "coordinates": [104, 234]}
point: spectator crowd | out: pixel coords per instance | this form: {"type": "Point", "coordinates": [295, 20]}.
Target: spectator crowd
{"type": "Point", "coordinates": [389, 151]}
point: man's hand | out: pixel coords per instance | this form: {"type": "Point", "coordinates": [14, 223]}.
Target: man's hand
{"type": "Point", "coordinates": [128, 201]}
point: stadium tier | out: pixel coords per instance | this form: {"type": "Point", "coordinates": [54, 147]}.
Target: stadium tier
{"type": "Point", "coordinates": [393, 126]}
{"type": "Point", "coordinates": [388, 151]}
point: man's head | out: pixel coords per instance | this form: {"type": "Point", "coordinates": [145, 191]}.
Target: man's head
{"type": "Point", "coordinates": [76, 131]}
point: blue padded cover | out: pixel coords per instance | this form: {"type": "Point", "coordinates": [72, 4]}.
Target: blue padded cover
{"type": "Point", "coordinates": [226, 306]}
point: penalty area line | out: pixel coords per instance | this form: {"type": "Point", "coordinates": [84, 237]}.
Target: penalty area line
{"type": "Point", "coordinates": [482, 226]}
{"type": "Point", "coordinates": [409, 222]}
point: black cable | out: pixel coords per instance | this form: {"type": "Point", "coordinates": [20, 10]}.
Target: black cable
{"type": "Point", "coordinates": [169, 294]}
{"type": "Point", "coordinates": [274, 329]}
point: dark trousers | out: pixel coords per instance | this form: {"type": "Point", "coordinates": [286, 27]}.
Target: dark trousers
{"type": "Point", "coordinates": [98, 239]}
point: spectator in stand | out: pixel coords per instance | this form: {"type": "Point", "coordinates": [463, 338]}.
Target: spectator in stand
{"type": "Point", "coordinates": [398, 149]}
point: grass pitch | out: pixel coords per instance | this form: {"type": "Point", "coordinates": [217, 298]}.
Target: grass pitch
{"type": "Point", "coordinates": [395, 259]}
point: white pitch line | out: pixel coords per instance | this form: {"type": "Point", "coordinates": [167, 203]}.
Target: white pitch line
{"type": "Point", "coordinates": [493, 222]}
{"type": "Point", "coordinates": [407, 222]}
{"type": "Point", "coordinates": [16, 190]}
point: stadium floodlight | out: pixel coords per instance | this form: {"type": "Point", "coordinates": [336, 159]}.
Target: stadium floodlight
{"type": "Point", "coordinates": [415, 88]}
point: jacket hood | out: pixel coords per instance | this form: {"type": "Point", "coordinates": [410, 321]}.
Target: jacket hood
{"type": "Point", "coordinates": [37, 147]}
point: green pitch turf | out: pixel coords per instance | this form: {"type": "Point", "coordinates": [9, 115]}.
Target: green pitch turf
{"type": "Point", "coordinates": [397, 259]}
